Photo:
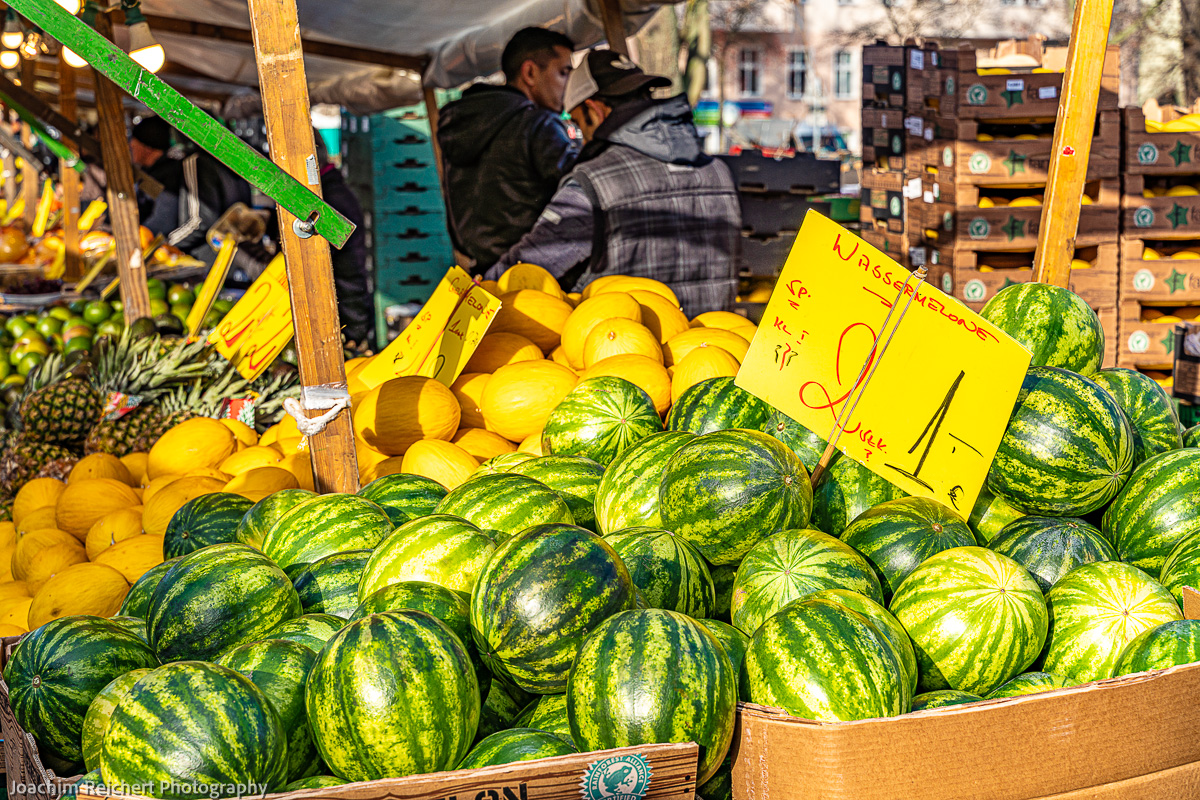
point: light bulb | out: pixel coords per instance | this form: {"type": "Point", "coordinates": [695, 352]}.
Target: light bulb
{"type": "Point", "coordinates": [10, 59]}
{"type": "Point", "coordinates": [70, 6]}
{"type": "Point", "coordinates": [144, 49]}
{"type": "Point", "coordinates": [72, 59]}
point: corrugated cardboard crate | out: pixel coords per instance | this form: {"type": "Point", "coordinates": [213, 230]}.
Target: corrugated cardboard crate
{"type": "Point", "coordinates": [1160, 281]}
{"type": "Point", "coordinates": [895, 245]}
{"type": "Point", "coordinates": [1008, 228]}
{"type": "Point", "coordinates": [1159, 217]}
{"type": "Point", "coordinates": [1147, 332]}
{"type": "Point", "coordinates": [979, 275]}
{"type": "Point", "coordinates": [1159, 152]}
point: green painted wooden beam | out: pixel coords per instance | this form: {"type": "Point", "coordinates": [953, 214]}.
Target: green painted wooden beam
{"type": "Point", "coordinates": [198, 126]}
{"type": "Point", "coordinates": [55, 145]}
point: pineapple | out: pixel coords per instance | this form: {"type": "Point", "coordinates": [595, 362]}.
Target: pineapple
{"type": "Point", "coordinates": [25, 458]}
{"type": "Point", "coordinates": [200, 398]}
{"type": "Point", "coordinates": [59, 406]}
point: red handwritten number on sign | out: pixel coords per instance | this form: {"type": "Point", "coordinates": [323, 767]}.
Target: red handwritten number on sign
{"type": "Point", "coordinates": [830, 402]}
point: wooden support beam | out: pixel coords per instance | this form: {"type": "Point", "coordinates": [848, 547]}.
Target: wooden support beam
{"type": "Point", "coordinates": [284, 89]}
{"type": "Point", "coordinates": [614, 25]}
{"type": "Point", "coordinates": [122, 200]}
{"type": "Point", "coordinates": [73, 264]}
{"type": "Point", "coordinates": [31, 189]}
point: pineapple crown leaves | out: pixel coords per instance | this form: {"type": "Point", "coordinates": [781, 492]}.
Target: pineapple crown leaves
{"type": "Point", "coordinates": [205, 395]}
{"type": "Point", "coordinates": [145, 366]}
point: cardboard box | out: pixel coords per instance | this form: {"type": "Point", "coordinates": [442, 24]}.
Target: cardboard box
{"type": "Point", "coordinates": [1160, 152]}
{"type": "Point", "coordinates": [1158, 217]}
{"type": "Point", "coordinates": [1162, 281]}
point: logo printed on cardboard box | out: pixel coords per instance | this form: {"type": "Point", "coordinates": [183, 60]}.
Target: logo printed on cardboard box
{"type": "Point", "coordinates": [977, 95]}
{"type": "Point", "coordinates": [1147, 153]}
{"type": "Point", "coordinates": [979, 228]}
{"type": "Point", "coordinates": [1143, 280]}
{"type": "Point", "coordinates": [1139, 342]}
{"type": "Point", "coordinates": [1143, 217]}
{"type": "Point", "coordinates": [624, 777]}
{"type": "Point", "coordinates": [947, 279]}
{"type": "Point", "coordinates": [979, 163]}
{"type": "Point", "coordinates": [974, 290]}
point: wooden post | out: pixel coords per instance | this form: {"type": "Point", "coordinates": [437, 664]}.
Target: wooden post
{"type": "Point", "coordinates": [1072, 142]}
{"type": "Point", "coordinates": [31, 190]}
{"type": "Point", "coordinates": [284, 88]}
{"type": "Point", "coordinates": [122, 200]}
{"type": "Point", "coordinates": [614, 25]}
{"type": "Point", "coordinates": [73, 267]}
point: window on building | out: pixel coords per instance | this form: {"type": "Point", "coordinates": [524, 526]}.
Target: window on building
{"type": "Point", "coordinates": [750, 72]}
{"type": "Point", "coordinates": [797, 74]}
{"type": "Point", "coordinates": [843, 74]}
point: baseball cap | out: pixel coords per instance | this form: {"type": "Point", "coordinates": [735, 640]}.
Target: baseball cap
{"type": "Point", "coordinates": [606, 72]}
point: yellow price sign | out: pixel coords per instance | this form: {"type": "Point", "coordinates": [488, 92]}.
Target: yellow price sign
{"type": "Point", "coordinates": [932, 416]}
{"type": "Point", "coordinates": [259, 325]}
{"type": "Point", "coordinates": [443, 336]}
{"type": "Point", "coordinates": [211, 287]}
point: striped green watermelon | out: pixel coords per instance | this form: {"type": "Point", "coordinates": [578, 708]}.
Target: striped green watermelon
{"type": "Point", "coordinates": [95, 721]}
{"type": "Point", "coordinates": [723, 578]}
{"type": "Point", "coordinates": [549, 714]}
{"type": "Point", "coordinates": [137, 601]}
{"type": "Point", "coordinates": [976, 619]}
{"type": "Point", "coordinates": [506, 502]}
{"type": "Point", "coordinates": [314, 782]}
{"type": "Point", "coordinates": [808, 446]}
{"type": "Point", "coordinates": [403, 496]}
{"type": "Point", "coordinates": [717, 404]}
{"type": "Point", "coordinates": [793, 563]}
{"type": "Point", "coordinates": [1156, 510]}
{"type": "Point", "coordinates": [600, 419]}
{"type": "Point", "coordinates": [1050, 547]}
{"type": "Point", "coordinates": [1169, 645]}
{"type": "Point", "coordinates": [989, 515]}
{"type": "Point", "coordinates": [732, 641]}
{"type": "Point", "coordinates": [208, 519]}
{"type": "Point", "coordinates": [817, 659]}
{"type": "Point", "coordinates": [263, 515]}
{"type": "Point", "coordinates": [441, 549]}
{"type": "Point", "coordinates": [942, 698]}
{"type": "Point", "coordinates": [280, 668]}
{"type": "Point", "coordinates": [1097, 609]}
{"type": "Point", "coordinates": [1053, 323]}
{"type": "Point", "coordinates": [391, 695]}
{"type": "Point", "coordinates": [670, 573]}
{"type": "Point", "coordinates": [1150, 411]}
{"type": "Point", "coordinates": [233, 735]}
{"type": "Point", "coordinates": [720, 785]}
{"type": "Point", "coordinates": [1030, 683]}
{"type": "Point", "coordinates": [216, 598]}
{"type": "Point", "coordinates": [58, 669]}
{"type": "Point", "coordinates": [1191, 437]}
{"type": "Point", "coordinates": [505, 462]}
{"type": "Point", "coordinates": [1182, 568]}
{"type": "Point", "coordinates": [329, 585]}
{"type": "Point", "coordinates": [628, 493]}
{"type": "Point", "coordinates": [884, 622]}
{"type": "Point", "coordinates": [1068, 449]}
{"type": "Point", "coordinates": [899, 535]}
{"type": "Point", "coordinates": [727, 490]}
{"type": "Point", "coordinates": [544, 591]}
{"type": "Point", "coordinates": [135, 625]}
{"type": "Point", "coordinates": [575, 479]}
{"type": "Point", "coordinates": [90, 780]}
{"type": "Point", "coordinates": [503, 705]}
{"type": "Point", "coordinates": [309, 630]}
{"type": "Point", "coordinates": [651, 676]}
{"type": "Point", "coordinates": [324, 525]}
{"type": "Point", "coordinates": [515, 744]}
{"type": "Point", "coordinates": [847, 491]}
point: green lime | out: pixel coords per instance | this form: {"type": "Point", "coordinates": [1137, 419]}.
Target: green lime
{"type": "Point", "coordinates": [60, 312]}
{"type": "Point", "coordinates": [83, 343]}
{"type": "Point", "coordinates": [17, 326]}
{"type": "Point", "coordinates": [34, 340]}
{"type": "Point", "coordinates": [97, 311]}
{"type": "Point", "coordinates": [181, 310]}
{"type": "Point", "coordinates": [77, 306]}
{"type": "Point", "coordinates": [118, 305]}
{"type": "Point", "coordinates": [75, 331]}
{"type": "Point", "coordinates": [27, 364]}
{"type": "Point", "coordinates": [5, 369]}
{"type": "Point", "coordinates": [211, 320]}
{"type": "Point", "coordinates": [48, 326]}
{"type": "Point", "coordinates": [180, 295]}
{"type": "Point", "coordinates": [156, 289]}
{"type": "Point", "coordinates": [222, 306]}
{"type": "Point", "coordinates": [31, 319]}
{"type": "Point", "coordinates": [110, 328]}
{"type": "Point", "coordinates": [158, 307]}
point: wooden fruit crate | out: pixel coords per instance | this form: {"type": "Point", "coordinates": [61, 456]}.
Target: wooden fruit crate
{"type": "Point", "coordinates": [880, 209]}
{"type": "Point", "coordinates": [1159, 281]}
{"type": "Point", "coordinates": [1159, 152]}
{"type": "Point", "coordinates": [895, 245]}
{"type": "Point", "coordinates": [1147, 341]}
{"type": "Point", "coordinates": [884, 76]}
{"type": "Point", "coordinates": [979, 275]}
{"type": "Point", "coordinates": [1175, 217]}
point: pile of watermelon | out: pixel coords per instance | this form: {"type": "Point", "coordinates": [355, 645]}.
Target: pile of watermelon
{"type": "Point", "coordinates": [632, 586]}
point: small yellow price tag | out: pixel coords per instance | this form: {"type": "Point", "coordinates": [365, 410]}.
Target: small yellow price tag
{"type": "Point", "coordinates": [43, 210]}
{"type": "Point", "coordinates": [18, 208]}
{"type": "Point", "coordinates": [211, 287]}
{"type": "Point", "coordinates": [259, 325]}
{"type": "Point", "coordinates": [93, 212]}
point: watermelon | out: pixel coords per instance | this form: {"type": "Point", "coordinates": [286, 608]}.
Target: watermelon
{"type": "Point", "coordinates": [808, 446]}
{"type": "Point", "coordinates": [1150, 410]}
{"type": "Point", "coordinates": [817, 659]}
{"type": "Point", "coordinates": [1030, 683]}
{"type": "Point", "coordinates": [1068, 449]}
{"type": "Point", "coordinates": [575, 479]}
{"type": "Point", "coordinates": [720, 785]}
{"type": "Point", "coordinates": [314, 782]}
{"type": "Point", "coordinates": [324, 525]}
{"type": "Point", "coordinates": [280, 668]}
{"type": "Point", "coordinates": [329, 585]}
{"type": "Point", "coordinates": [216, 598]}
{"type": "Point", "coordinates": [727, 490]}
{"type": "Point", "coordinates": [310, 630]}
{"type": "Point", "coordinates": [235, 741]}
{"type": "Point", "coordinates": [651, 676]}
{"type": "Point", "coordinates": [208, 519]}
{"type": "Point", "coordinates": [976, 619]}
{"type": "Point", "coordinates": [884, 622]}
{"type": "Point", "coordinates": [506, 502]}
{"type": "Point", "coordinates": [135, 625]}
{"type": "Point", "coordinates": [1182, 568]}
{"type": "Point", "coordinates": [91, 780]}
{"type": "Point", "coordinates": [263, 515]}
{"type": "Point", "coordinates": [441, 549]}
{"type": "Point", "coordinates": [549, 714]}
{"type": "Point", "coordinates": [515, 744]}
{"type": "Point", "coordinates": [989, 515]}
{"type": "Point", "coordinates": [95, 721]}
{"type": "Point", "coordinates": [732, 641]}
{"type": "Point", "coordinates": [403, 496]}
{"type": "Point", "coordinates": [1050, 547]}
{"type": "Point", "coordinates": [1169, 645]}
{"type": "Point", "coordinates": [58, 669]}
{"type": "Point", "coordinates": [627, 496]}
{"type": "Point", "coordinates": [391, 695]}
{"type": "Point", "coordinates": [790, 564]}
{"type": "Point", "coordinates": [1156, 510]}
{"type": "Point", "coordinates": [942, 698]}
{"type": "Point", "coordinates": [723, 578]}
{"type": "Point", "coordinates": [1191, 437]}
{"type": "Point", "coordinates": [668, 571]}
{"type": "Point", "coordinates": [600, 419]}
{"type": "Point", "coordinates": [542, 593]}
{"type": "Point", "coordinates": [503, 706]}
{"type": "Point", "coordinates": [1097, 609]}
{"type": "Point", "coordinates": [504, 462]}
{"type": "Point", "coordinates": [1053, 323]}
{"type": "Point", "coordinates": [717, 404]}
{"type": "Point", "coordinates": [137, 601]}
{"type": "Point", "coordinates": [899, 535]}
{"type": "Point", "coordinates": [846, 492]}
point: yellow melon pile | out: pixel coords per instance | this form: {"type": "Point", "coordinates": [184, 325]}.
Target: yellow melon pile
{"type": "Point", "coordinates": [541, 343]}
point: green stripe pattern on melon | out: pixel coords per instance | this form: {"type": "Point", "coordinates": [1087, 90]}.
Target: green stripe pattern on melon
{"type": "Point", "coordinates": [314, 782]}
{"type": "Point", "coordinates": [1169, 645]}
{"type": "Point", "coordinates": [990, 515]}
{"type": "Point", "coordinates": [1053, 323]}
{"type": "Point", "coordinates": [1030, 683]}
{"type": "Point", "coordinates": [207, 519]}
{"type": "Point", "coordinates": [506, 502]}
{"type": "Point", "coordinates": [135, 625]}
{"type": "Point", "coordinates": [727, 490]}
{"type": "Point", "coordinates": [549, 714]}
{"type": "Point", "coordinates": [976, 619]}
{"type": "Point", "coordinates": [668, 571]}
{"type": "Point", "coordinates": [790, 564]}
{"type": "Point", "coordinates": [392, 695]}
{"type": "Point", "coordinates": [1050, 547]}
{"type": "Point", "coordinates": [1182, 568]}
{"type": "Point", "coordinates": [330, 585]}
{"type": "Point", "coordinates": [628, 493]}
{"type": "Point", "coordinates": [846, 493]}
{"type": "Point", "coordinates": [403, 496]}
{"type": "Point", "coordinates": [324, 525]}
{"type": "Point", "coordinates": [651, 676]}
{"type": "Point", "coordinates": [58, 669]}
{"type": "Point", "coordinates": [263, 515]}
{"type": "Point", "coordinates": [808, 446]}
{"type": "Point", "coordinates": [573, 478]}
{"type": "Point", "coordinates": [441, 549]}
{"type": "Point", "coordinates": [1068, 449]}
{"type": "Point", "coordinates": [137, 601]}
{"type": "Point", "coordinates": [515, 744]}
{"type": "Point", "coordinates": [1156, 510]}
{"type": "Point", "coordinates": [310, 630]}
{"type": "Point", "coordinates": [505, 462]}
{"type": "Point", "coordinates": [1150, 410]}
{"type": "Point", "coordinates": [600, 419]}
{"type": "Point", "coordinates": [1097, 609]}
{"type": "Point", "coordinates": [95, 722]}
{"type": "Point", "coordinates": [1191, 437]}
{"type": "Point", "coordinates": [884, 622]}
{"type": "Point", "coordinates": [732, 641]}
{"type": "Point", "coordinates": [717, 404]}
{"type": "Point", "coordinates": [943, 698]}
{"type": "Point", "coordinates": [233, 735]}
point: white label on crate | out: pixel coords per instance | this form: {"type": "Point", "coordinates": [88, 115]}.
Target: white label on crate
{"type": "Point", "coordinates": [929, 134]}
{"type": "Point", "coordinates": [947, 280]}
{"type": "Point", "coordinates": [366, 124]}
{"type": "Point", "coordinates": [912, 189]}
{"type": "Point", "coordinates": [314, 174]}
{"type": "Point", "coordinates": [917, 256]}
{"type": "Point", "coordinates": [937, 191]}
{"type": "Point", "coordinates": [1139, 342]}
{"type": "Point", "coordinates": [883, 120]}
{"type": "Point", "coordinates": [1047, 92]}
{"type": "Point", "coordinates": [933, 59]}
{"type": "Point", "coordinates": [914, 125]}
{"type": "Point", "coordinates": [916, 59]}
{"type": "Point", "coordinates": [1014, 85]}
{"type": "Point", "coordinates": [928, 197]}
{"type": "Point", "coordinates": [1143, 280]}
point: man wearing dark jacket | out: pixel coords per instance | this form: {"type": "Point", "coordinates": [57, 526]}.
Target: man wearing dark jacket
{"type": "Point", "coordinates": [643, 199]}
{"type": "Point", "coordinates": [504, 148]}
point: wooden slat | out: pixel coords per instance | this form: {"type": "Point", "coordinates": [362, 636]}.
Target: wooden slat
{"type": "Point", "coordinates": [69, 177]}
{"type": "Point", "coordinates": [614, 25]}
